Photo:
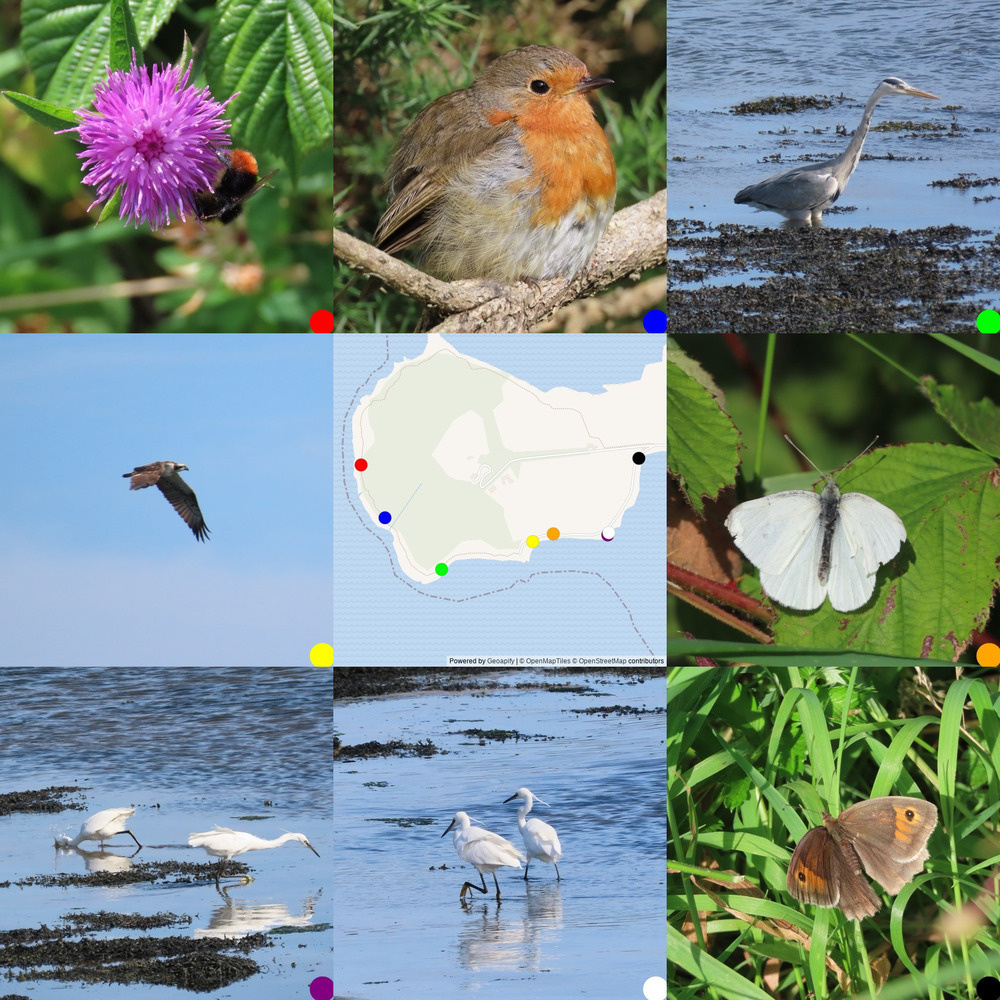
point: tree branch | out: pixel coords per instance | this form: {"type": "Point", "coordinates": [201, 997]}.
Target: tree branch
{"type": "Point", "coordinates": [635, 239]}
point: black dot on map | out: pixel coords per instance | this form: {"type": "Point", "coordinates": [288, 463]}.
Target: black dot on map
{"type": "Point", "coordinates": [638, 458]}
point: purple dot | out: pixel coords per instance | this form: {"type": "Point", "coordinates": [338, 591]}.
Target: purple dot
{"type": "Point", "coordinates": [385, 517]}
{"type": "Point", "coordinates": [321, 988]}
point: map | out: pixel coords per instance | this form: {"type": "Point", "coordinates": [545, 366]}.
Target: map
{"type": "Point", "coordinates": [495, 490]}
{"type": "Point", "coordinates": [512, 464]}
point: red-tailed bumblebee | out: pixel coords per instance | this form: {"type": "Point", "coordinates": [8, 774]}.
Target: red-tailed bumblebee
{"type": "Point", "coordinates": [237, 182]}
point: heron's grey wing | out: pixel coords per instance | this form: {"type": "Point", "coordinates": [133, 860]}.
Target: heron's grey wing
{"type": "Point", "coordinates": [183, 500]}
{"type": "Point", "coordinates": [801, 189]}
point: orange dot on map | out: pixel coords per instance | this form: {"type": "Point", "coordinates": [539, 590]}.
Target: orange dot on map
{"type": "Point", "coordinates": [552, 534]}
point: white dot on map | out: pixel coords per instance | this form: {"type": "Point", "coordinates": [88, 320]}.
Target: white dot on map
{"type": "Point", "coordinates": [607, 534]}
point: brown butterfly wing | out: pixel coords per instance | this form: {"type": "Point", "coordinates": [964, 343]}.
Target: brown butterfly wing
{"type": "Point", "coordinates": [890, 836]}
{"type": "Point", "coordinates": [825, 873]}
{"type": "Point", "coordinates": [811, 878]}
{"type": "Point", "coordinates": [857, 898]}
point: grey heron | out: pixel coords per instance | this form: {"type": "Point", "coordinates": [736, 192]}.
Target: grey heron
{"type": "Point", "coordinates": [802, 193]}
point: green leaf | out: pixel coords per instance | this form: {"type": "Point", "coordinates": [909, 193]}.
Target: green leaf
{"type": "Point", "coordinates": [69, 47]}
{"type": "Point", "coordinates": [124, 37]}
{"type": "Point", "coordinates": [701, 439]}
{"type": "Point", "coordinates": [279, 56]}
{"type": "Point", "coordinates": [930, 598]}
{"type": "Point", "coordinates": [50, 115]}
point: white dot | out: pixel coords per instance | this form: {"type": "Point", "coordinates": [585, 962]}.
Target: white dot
{"type": "Point", "coordinates": [655, 988]}
{"type": "Point", "coordinates": [608, 533]}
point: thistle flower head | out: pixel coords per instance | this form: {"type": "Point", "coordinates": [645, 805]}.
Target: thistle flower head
{"type": "Point", "coordinates": [153, 135]}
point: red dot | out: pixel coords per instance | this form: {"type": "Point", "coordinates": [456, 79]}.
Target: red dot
{"type": "Point", "coordinates": [321, 321]}
{"type": "Point", "coordinates": [361, 465]}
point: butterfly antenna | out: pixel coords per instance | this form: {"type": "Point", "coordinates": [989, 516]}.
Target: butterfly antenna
{"type": "Point", "coordinates": [816, 467]}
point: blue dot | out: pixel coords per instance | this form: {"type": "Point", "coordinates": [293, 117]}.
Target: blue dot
{"type": "Point", "coordinates": [655, 321]}
{"type": "Point", "coordinates": [385, 517]}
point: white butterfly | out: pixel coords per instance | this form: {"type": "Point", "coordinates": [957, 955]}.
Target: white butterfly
{"type": "Point", "coordinates": [809, 546]}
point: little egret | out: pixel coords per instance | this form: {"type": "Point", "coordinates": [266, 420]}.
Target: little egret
{"type": "Point", "coordinates": [101, 826]}
{"type": "Point", "coordinates": [225, 844]}
{"type": "Point", "coordinates": [540, 840]}
{"type": "Point", "coordinates": [485, 851]}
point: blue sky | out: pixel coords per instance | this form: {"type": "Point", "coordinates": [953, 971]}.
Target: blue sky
{"type": "Point", "coordinates": [93, 573]}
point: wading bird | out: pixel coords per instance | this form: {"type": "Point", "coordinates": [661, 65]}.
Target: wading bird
{"type": "Point", "coordinates": [540, 840]}
{"type": "Point", "coordinates": [485, 851]}
{"type": "Point", "coordinates": [802, 193]}
{"type": "Point", "coordinates": [102, 826]}
{"type": "Point", "coordinates": [226, 844]}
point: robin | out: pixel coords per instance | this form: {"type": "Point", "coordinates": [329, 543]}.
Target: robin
{"type": "Point", "coordinates": [510, 178]}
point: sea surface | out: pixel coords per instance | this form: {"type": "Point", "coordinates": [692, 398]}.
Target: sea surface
{"type": "Point", "coordinates": [402, 929]}
{"type": "Point", "coordinates": [724, 52]}
{"type": "Point", "coordinates": [188, 748]}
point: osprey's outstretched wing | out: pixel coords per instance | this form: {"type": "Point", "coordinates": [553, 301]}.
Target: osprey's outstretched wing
{"type": "Point", "coordinates": [164, 476]}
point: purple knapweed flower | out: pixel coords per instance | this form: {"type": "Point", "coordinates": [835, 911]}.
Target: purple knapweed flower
{"type": "Point", "coordinates": [153, 135]}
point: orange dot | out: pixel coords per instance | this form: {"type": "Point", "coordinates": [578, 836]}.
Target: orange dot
{"type": "Point", "coordinates": [552, 533]}
{"type": "Point", "coordinates": [988, 655]}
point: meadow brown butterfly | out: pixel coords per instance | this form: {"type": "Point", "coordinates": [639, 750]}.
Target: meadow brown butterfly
{"type": "Point", "coordinates": [887, 835]}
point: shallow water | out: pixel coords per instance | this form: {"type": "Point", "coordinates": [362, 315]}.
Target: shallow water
{"type": "Point", "coordinates": [722, 53]}
{"type": "Point", "coordinates": [188, 748]}
{"type": "Point", "coordinates": [399, 926]}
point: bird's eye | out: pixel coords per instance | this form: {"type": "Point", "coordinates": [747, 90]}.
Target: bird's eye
{"type": "Point", "coordinates": [538, 87]}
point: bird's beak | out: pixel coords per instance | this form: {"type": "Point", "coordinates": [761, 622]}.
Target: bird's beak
{"type": "Point", "coordinates": [311, 848]}
{"type": "Point", "coordinates": [446, 832]}
{"type": "Point", "coordinates": [589, 83]}
{"type": "Point", "coordinates": [922, 93]}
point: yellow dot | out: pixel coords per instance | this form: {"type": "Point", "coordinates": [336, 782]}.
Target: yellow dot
{"type": "Point", "coordinates": [988, 655]}
{"type": "Point", "coordinates": [552, 533]}
{"type": "Point", "coordinates": [321, 655]}
{"type": "Point", "coordinates": [532, 541]}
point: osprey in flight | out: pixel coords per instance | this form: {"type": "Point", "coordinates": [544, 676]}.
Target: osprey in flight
{"type": "Point", "coordinates": [163, 475]}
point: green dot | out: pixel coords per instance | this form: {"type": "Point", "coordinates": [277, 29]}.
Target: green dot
{"type": "Point", "coordinates": [441, 569]}
{"type": "Point", "coordinates": [988, 321]}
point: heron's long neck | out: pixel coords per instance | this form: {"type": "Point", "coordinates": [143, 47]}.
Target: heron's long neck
{"type": "Point", "coordinates": [853, 151]}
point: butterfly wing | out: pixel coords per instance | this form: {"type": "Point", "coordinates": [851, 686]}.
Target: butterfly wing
{"type": "Point", "coordinates": [782, 536]}
{"type": "Point", "coordinates": [867, 534]}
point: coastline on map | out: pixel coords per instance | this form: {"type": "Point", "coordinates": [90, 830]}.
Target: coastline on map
{"type": "Point", "coordinates": [461, 460]}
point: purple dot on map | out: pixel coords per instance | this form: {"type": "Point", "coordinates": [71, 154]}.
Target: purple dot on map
{"type": "Point", "coordinates": [607, 534]}
{"type": "Point", "coordinates": [385, 517]}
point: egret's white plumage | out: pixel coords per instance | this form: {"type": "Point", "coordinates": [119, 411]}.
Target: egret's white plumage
{"type": "Point", "coordinates": [226, 844]}
{"type": "Point", "coordinates": [540, 840]}
{"type": "Point", "coordinates": [102, 826]}
{"type": "Point", "coordinates": [484, 850]}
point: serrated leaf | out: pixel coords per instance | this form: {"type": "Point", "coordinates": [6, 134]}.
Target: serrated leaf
{"type": "Point", "coordinates": [978, 423]}
{"type": "Point", "coordinates": [69, 47]}
{"type": "Point", "coordinates": [279, 56]}
{"type": "Point", "coordinates": [701, 439]}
